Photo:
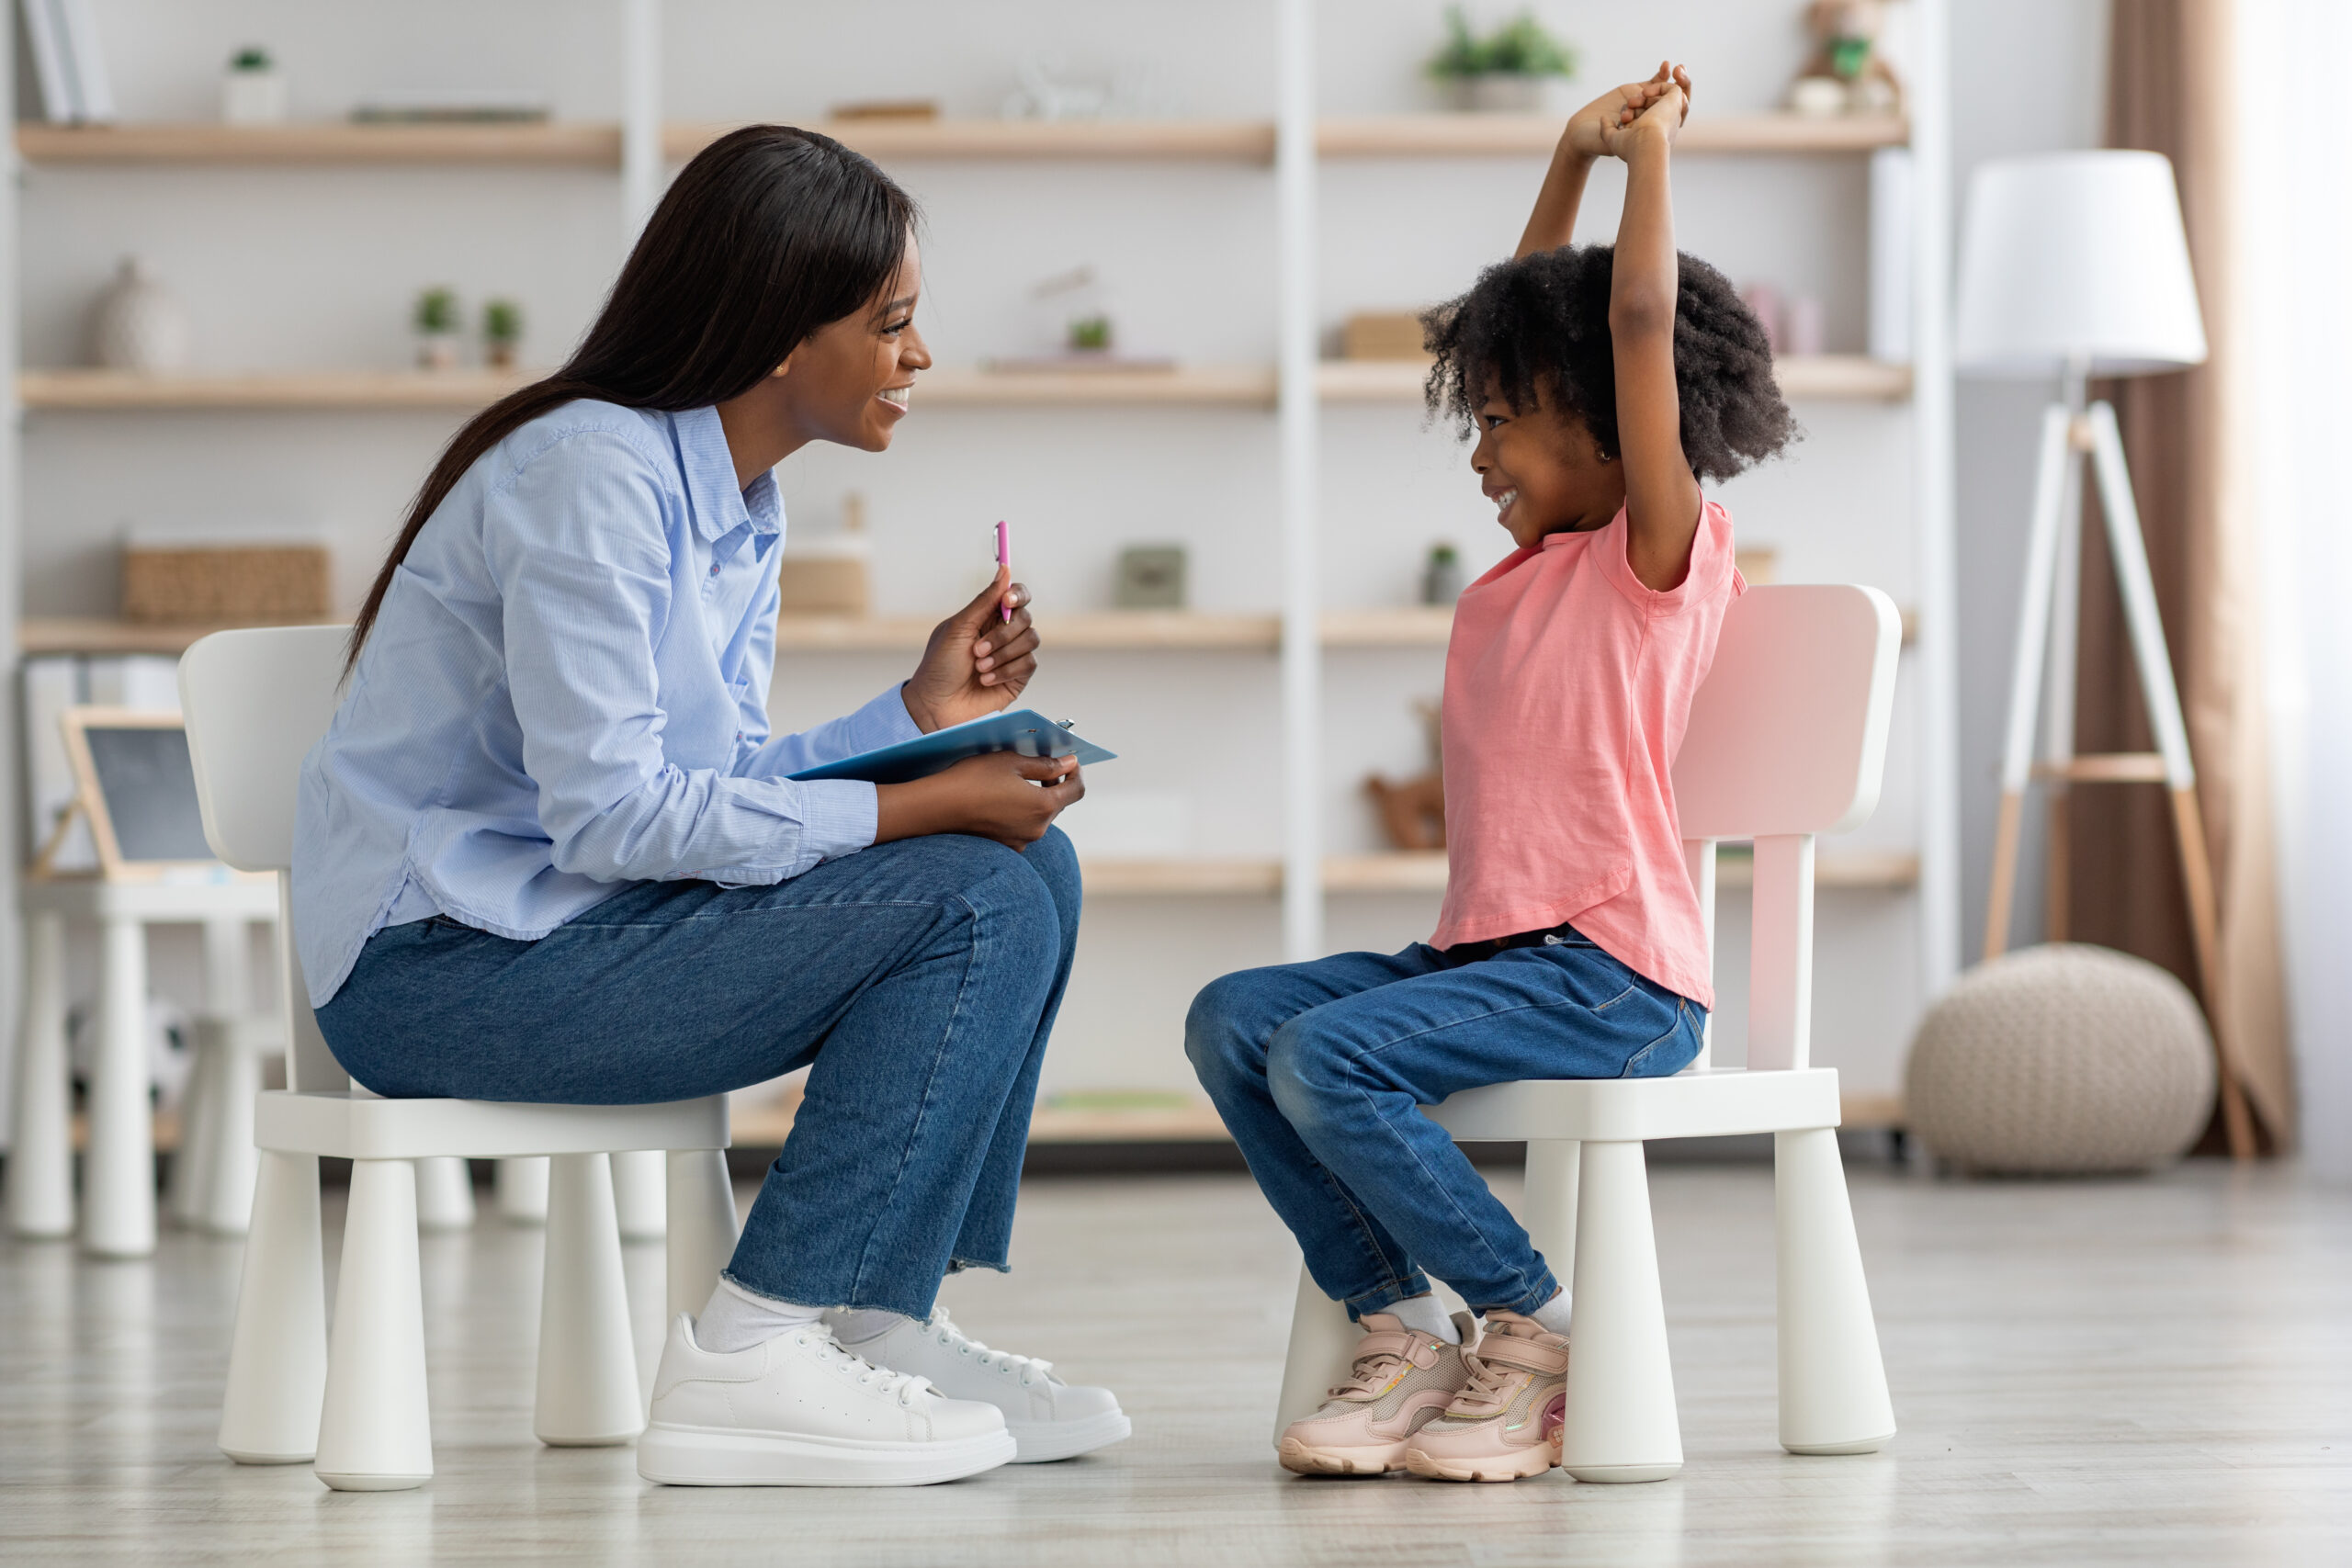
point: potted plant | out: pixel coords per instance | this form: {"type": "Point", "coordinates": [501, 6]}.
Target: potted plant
{"type": "Point", "coordinates": [501, 332]}
{"type": "Point", "coordinates": [253, 91]}
{"type": "Point", "coordinates": [437, 327]}
{"type": "Point", "coordinates": [1519, 68]}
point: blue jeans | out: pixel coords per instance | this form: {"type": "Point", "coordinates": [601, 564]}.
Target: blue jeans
{"type": "Point", "coordinates": [1320, 1070]}
{"type": "Point", "coordinates": [918, 979]}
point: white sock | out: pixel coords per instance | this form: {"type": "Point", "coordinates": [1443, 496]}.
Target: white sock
{"type": "Point", "coordinates": [856, 1325]}
{"type": "Point", "coordinates": [1553, 1316]}
{"type": "Point", "coordinates": [736, 1319]}
{"type": "Point", "coordinates": [1427, 1313]}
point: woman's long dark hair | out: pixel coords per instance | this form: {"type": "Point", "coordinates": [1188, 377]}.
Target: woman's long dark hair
{"type": "Point", "coordinates": [767, 235]}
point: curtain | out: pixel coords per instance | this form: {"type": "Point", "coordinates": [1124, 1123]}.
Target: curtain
{"type": "Point", "coordinates": [2189, 441]}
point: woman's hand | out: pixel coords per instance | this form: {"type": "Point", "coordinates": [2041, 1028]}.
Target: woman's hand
{"type": "Point", "coordinates": [1005, 796]}
{"type": "Point", "coordinates": [977, 661]}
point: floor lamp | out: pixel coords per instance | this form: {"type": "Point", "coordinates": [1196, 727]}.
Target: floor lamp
{"type": "Point", "coordinates": [2072, 266]}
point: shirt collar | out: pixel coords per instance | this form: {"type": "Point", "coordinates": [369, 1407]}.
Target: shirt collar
{"type": "Point", "coordinates": [719, 507]}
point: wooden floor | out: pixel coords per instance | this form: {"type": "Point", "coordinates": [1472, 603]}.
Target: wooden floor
{"type": "Point", "coordinates": [2087, 1372]}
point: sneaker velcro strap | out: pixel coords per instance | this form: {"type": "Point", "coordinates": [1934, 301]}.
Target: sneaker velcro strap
{"type": "Point", "coordinates": [1525, 1355]}
{"type": "Point", "coordinates": [1390, 1342]}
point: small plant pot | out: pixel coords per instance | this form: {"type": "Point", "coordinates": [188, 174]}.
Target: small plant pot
{"type": "Point", "coordinates": [1513, 92]}
{"type": "Point", "coordinates": [501, 356]}
{"type": "Point", "coordinates": [436, 351]}
{"type": "Point", "coordinates": [254, 98]}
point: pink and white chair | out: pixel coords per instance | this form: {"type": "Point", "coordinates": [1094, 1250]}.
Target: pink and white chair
{"type": "Point", "coordinates": [1787, 741]}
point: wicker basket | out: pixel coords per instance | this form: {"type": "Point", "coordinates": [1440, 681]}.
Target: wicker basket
{"type": "Point", "coordinates": [224, 584]}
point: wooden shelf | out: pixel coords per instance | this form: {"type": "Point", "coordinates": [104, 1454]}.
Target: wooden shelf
{"type": "Point", "coordinates": [1491, 135]}
{"type": "Point", "coordinates": [1844, 377]}
{"type": "Point", "coordinates": [457, 390]}
{"type": "Point", "coordinates": [322, 143]}
{"type": "Point", "coordinates": [1199, 141]}
{"type": "Point", "coordinates": [598, 145]}
{"type": "Point", "coordinates": [1847, 376]}
{"type": "Point", "coordinates": [1425, 873]}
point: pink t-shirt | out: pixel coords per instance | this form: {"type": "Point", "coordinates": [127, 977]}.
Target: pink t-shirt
{"type": "Point", "coordinates": [1567, 688]}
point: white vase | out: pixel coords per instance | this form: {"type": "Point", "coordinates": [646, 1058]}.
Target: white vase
{"type": "Point", "coordinates": [436, 351]}
{"type": "Point", "coordinates": [253, 97]}
{"type": "Point", "coordinates": [140, 326]}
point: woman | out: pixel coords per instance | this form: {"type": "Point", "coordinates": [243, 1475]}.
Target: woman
{"type": "Point", "coordinates": [547, 852]}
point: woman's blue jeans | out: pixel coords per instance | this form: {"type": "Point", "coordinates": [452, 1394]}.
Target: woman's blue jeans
{"type": "Point", "coordinates": [1320, 1070]}
{"type": "Point", "coordinates": [917, 979]}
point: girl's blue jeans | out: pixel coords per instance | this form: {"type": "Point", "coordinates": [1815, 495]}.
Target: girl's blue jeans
{"type": "Point", "coordinates": [1320, 1070]}
{"type": "Point", "coordinates": [917, 979]}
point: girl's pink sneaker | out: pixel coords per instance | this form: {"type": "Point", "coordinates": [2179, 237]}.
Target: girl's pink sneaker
{"type": "Point", "coordinates": [1505, 1423]}
{"type": "Point", "coordinates": [1402, 1379]}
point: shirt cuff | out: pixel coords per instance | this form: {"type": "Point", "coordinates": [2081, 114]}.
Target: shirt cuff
{"type": "Point", "coordinates": [839, 816]}
{"type": "Point", "coordinates": [884, 721]}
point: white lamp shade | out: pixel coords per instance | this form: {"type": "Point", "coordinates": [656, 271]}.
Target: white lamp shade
{"type": "Point", "coordinates": [2076, 257]}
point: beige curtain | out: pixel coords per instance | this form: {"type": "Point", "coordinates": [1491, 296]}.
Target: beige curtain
{"type": "Point", "coordinates": [2168, 91]}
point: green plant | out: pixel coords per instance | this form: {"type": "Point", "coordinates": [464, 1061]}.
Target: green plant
{"type": "Point", "coordinates": [1090, 332]}
{"type": "Point", "coordinates": [437, 313]}
{"type": "Point", "coordinates": [502, 321]}
{"type": "Point", "coordinates": [253, 57]}
{"type": "Point", "coordinates": [1520, 47]}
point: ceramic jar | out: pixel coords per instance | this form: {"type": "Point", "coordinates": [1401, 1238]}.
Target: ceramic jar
{"type": "Point", "coordinates": [140, 324]}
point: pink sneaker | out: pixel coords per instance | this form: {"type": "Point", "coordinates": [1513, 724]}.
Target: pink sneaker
{"type": "Point", "coordinates": [1505, 1423]}
{"type": "Point", "coordinates": [1402, 1378]}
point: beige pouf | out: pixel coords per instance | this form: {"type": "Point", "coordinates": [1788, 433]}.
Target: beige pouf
{"type": "Point", "coordinates": [2062, 1058]}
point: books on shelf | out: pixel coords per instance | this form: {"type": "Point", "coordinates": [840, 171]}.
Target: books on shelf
{"type": "Point", "coordinates": [68, 62]}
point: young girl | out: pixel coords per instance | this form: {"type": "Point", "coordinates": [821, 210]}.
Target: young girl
{"type": "Point", "coordinates": [1603, 390]}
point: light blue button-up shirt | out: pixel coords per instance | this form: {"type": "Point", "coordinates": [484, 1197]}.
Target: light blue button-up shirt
{"type": "Point", "coordinates": [566, 692]}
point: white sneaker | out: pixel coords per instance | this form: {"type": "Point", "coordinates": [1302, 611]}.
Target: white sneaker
{"type": "Point", "coordinates": [801, 1411]}
{"type": "Point", "coordinates": [1048, 1417]}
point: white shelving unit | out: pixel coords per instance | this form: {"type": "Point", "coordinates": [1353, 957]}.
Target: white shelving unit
{"type": "Point", "coordinates": [1296, 141]}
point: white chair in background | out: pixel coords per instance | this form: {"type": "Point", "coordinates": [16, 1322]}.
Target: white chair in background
{"type": "Point", "coordinates": [1787, 741]}
{"type": "Point", "coordinates": [255, 702]}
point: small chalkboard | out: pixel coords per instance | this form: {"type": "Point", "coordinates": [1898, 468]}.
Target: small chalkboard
{"type": "Point", "coordinates": [139, 788]}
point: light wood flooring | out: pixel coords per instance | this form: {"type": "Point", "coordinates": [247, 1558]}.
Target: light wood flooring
{"type": "Point", "coordinates": [2087, 1372]}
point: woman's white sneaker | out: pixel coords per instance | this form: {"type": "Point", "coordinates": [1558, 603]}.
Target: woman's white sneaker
{"type": "Point", "coordinates": [1048, 1418]}
{"type": "Point", "coordinates": [801, 1411]}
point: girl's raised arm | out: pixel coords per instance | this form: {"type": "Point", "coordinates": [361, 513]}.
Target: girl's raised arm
{"type": "Point", "coordinates": [1554, 222]}
{"type": "Point", "coordinates": [1662, 499]}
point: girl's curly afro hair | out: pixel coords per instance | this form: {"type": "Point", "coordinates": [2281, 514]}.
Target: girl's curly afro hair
{"type": "Point", "coordinates": [1541, 321]}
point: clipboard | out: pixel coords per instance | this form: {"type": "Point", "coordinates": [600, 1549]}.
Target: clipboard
{"type": "Point", "coordinates": [1027, 732]}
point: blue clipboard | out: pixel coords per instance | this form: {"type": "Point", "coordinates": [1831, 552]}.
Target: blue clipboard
{"type": "Point", "coordinates": [1029, 732]}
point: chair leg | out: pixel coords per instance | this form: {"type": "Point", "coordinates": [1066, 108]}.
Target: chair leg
{"type": "Point", "coordinates": [1549, 1210]}
{"type": "Point", "coordinates": [639, 1178]}
{"type": "Point", "coordinates": [278, 1355]}
{"type": "Point", "coordinates": [587, 1385]}
{"type": "Point", "coordinates": [228, 1199]}
{"type": "Point", "coordinates": [375, 1429]}
{"type": "Point", "coordinates": [701, 1203]}
{"type": "Point", "coordinates": [188, 1195]}
{"type": "Point", "coordinates": [445, 1194]}
{"type": "Point", "coordinates": [41, 1152]}
{"type": "Point", "coordinates": [1833, 1382]}
{"type": "Point", "coordinates": [522, 1189]}
{"type": "Point", "coordinates": [1621, 1423]}
{"type": "Point", "coordinates": [119, 1171]}
{"type": "Point", "coordinates": [1322, 1344]}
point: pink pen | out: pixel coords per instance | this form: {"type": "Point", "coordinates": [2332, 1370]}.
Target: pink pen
{"type": "Point", "coordinates": [1004, 558]}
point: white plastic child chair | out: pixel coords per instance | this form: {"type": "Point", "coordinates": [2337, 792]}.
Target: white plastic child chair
{"type": "Point", "coordinates": [255, 702]}
{"type": "Point", "coordinates": [1787, 740]}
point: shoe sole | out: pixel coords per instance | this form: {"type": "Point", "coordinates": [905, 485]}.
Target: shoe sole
{"type": "Point", "coordinates": [691, 1456]}
{"type": "Point", "coordinates": [1506, 1467]}
{"type": "Point", "coordinates": [1042, 1442]}
{"type": "Point", "coordinates": [1302, 1459]}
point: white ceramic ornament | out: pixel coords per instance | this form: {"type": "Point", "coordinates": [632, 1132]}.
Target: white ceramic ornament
{"type": "Point", "coordinates": [141, 324]}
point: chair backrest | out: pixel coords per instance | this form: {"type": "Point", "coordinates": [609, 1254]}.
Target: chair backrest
{"type": "Point", "coordinates": [1787, 740]}
{"type": "Point", "coordinates": [1788, 734]}
{"type": "Point", "coordinates": [255, 703]}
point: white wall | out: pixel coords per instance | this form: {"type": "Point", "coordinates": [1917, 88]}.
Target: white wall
{"type": "Point", "coordinates": [316, 268]}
